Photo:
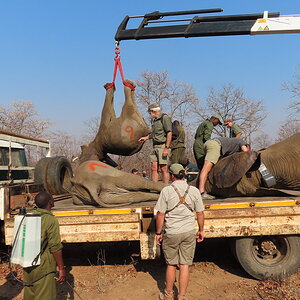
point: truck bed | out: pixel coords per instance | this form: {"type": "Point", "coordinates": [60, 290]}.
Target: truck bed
{"type": "Point", "coordinates": [229, 217]}
{"type": "Point", "coordinates": [64, 203]}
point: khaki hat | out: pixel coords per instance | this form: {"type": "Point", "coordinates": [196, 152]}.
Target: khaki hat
{"type": "Point", "coordinates": [175, 169]}
{"type": "Point", "coordinates": [154, 106]}
{"type": "Point", "coordinates": [217, 116]}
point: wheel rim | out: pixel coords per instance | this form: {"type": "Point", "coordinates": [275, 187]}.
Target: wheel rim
{"type": "Point", "coordinates": [270, 250]}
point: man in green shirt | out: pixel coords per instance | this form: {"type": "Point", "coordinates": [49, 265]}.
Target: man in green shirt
{"type": "Point", "coordinates": [234, 130]}
{"type": "Point", "coordinates": [202, 135]}
{"type": "Point", "coordinates": [178, 145]}
{"type": "Point", "coordinates": [161, 136]}
{"type": "Point", "coordinates": [51, 255]}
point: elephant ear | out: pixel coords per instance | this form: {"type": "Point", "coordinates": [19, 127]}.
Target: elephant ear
{"type": "Point", "coordinates": [229, 170]}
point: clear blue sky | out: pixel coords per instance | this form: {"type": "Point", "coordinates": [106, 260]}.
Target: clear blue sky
{"type": "Point", "coordinates": [58, 54]}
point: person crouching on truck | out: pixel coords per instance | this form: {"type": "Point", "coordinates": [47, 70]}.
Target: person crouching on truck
{"type": "Point", "coordinates": [51, 255]}
{"type": "Point", "coordinates": [213, 149]}
{"type": "Point", "coordinates": [175, 209]}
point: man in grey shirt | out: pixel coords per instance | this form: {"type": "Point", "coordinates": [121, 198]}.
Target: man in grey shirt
{"type": "Point", "coordinates": [175, 209]}
{"type": "Point", "coordinates": [213, 150]}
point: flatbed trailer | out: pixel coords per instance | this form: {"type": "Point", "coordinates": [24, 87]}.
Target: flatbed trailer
{"type": "Point", "coordinates": [264, 232]}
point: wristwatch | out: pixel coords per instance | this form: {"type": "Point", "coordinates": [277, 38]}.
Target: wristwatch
{"type": "Point", "coordinates": [168, 147]}
{"type": "Point", "coordinates": [158, 233]}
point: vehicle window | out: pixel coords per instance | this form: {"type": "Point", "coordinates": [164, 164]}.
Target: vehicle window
{"type": "Point", "coordinates": [16, 157]}
{"type": "Point", "coordinates": [2, 157]}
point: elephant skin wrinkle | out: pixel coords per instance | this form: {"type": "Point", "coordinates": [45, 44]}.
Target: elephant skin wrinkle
{"type": "Point", "coordinates": [282, 160]}
{"type": "Point", "coordinates": [99, 184]}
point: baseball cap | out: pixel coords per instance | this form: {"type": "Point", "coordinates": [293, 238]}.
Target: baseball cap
{"type": "Point", "coordinates": [217, 116]}
{"type": "Point", "coordinates": [134, 170]}
{"type": "Point", "coordinates": [154, 106]}
{"type": "Point", "coordinates": [175, 169]}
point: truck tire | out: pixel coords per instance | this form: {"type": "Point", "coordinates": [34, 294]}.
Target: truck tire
{"type": "Point", "coordinates": [40, 171]}
{"type": "Point", "coordinates": [269, 257]}
{"type": "Point", "coordinates": [58, 176]}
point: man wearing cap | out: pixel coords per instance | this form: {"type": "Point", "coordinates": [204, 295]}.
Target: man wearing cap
{"type": "Point", "coordinates": [161, 136]}
{"type": "Point", "coordinates": [213, 149]}
{"type": "Point", "coordinates": [234, 130]}
{"type": "Point", "coordinates": [202, 135]}
{"type": "Point", "coordinates": [175, 209]}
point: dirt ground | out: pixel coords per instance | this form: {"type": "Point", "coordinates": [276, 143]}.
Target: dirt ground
{"type": "Point", "coordinates": [114, 271]}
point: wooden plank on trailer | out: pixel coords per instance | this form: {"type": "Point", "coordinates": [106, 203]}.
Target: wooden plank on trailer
{"type": "Point", "coordinates": [252, 226]}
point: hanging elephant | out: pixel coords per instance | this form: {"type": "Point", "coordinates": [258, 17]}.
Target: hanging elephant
{"type": "Point", "coordinates": [117, 135]}
{"type": "Point", "coordinates": [238, 175]}
{"type": "Point", "coordinates": [97, 183]}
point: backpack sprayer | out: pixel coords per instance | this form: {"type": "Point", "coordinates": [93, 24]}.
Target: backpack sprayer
{"type": "Point", "coordinates": [27, 247]}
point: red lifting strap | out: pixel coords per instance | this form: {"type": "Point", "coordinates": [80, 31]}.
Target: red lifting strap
{"type": "Point", "coordinates": [117, 66]}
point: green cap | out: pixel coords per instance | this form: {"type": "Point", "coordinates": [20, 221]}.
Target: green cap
{"type": "Point", "coordinates": [217, 116]}
{"type": "Point", "coordinates": [153, 106]}
{"type": "Point", "coordinates": [175, 169]}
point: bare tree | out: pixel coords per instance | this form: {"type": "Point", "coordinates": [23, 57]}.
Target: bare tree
{"type": "Point", "coordinates": [176, 98]}
{"type": "Point", "coordinates": [63, 144]}
{"type": "Point", "coordinates": [91, 128]}
{"type": "Point", "coordinates": [287, 129]}
{"type": "Point", "coordinates": [231, 102]}
{"type": "Point", "coordinates": [261, 141]}
{"type": "Point", "coordinates": [294, 89]}
{"type": "Point", "coordinates": [22, 117]}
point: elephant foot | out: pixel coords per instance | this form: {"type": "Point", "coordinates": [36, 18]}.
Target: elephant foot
{"type": "Point", "coordinates": [130, 82]}
{"type": "Point", "coordinates": [109, 85]}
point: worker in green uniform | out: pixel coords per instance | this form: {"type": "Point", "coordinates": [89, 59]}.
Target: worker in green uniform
{"type": "Point", "coordinates": [234, 130]}
{"type": "Point", "coordinates": [51, 255]}
{"type": "Point", "coordinates": [161, 136]}
{"type": "Point", "coordinates": [202, 135]}
{"type": "Point", "coordinates": [178, 145]}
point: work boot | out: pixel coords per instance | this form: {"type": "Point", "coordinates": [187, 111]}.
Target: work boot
{"type": "Point", "coordinates": [166, 295]}
{"type": "Point", "coordinates": [206, 196]}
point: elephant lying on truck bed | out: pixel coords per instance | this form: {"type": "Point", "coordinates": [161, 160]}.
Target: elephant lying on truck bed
{"type": "Point", "coordinates": [238, 175]}
{"type": "Point", "coordinates": [96, 183]}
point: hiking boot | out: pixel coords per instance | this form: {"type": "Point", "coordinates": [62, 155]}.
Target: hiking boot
{"type": "Point", "coordinates": [206, 196]}
{"type": "Point", "coordinates": [166, 295]}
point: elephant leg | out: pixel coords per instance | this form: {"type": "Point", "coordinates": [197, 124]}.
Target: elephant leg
{"type": "Point", "coordinates": [126, 198]}
{"type": "Point", "coordinates": [129, 107]}
{"type": "Point", "coordinates": [108, 111]}
{"type": "Point", "coordinates": [137, 183]}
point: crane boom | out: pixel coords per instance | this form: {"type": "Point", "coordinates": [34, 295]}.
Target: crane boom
{"type": "Point", "coordinates": [247, 24]}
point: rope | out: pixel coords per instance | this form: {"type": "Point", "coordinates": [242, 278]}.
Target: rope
{"type": "Point", "coordinates": [118, 65]}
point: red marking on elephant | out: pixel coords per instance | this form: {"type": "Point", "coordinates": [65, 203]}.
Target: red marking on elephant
{"type": "Point", "coordinates": [129, 129]}
{"type": "Point", "coordinates": [92, 166]}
